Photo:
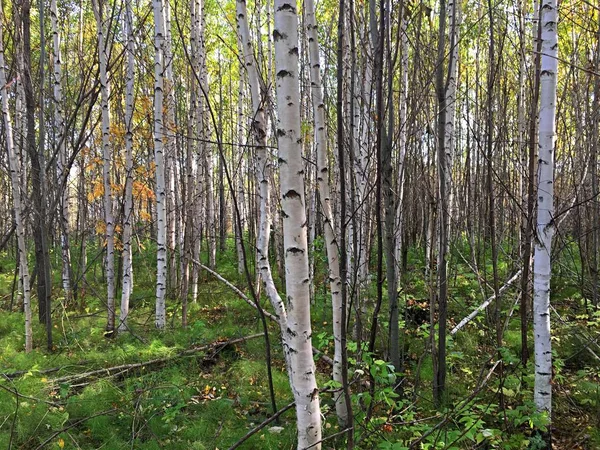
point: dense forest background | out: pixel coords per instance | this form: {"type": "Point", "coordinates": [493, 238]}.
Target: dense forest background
{"type": "Point", "coordinates": [382, 215]}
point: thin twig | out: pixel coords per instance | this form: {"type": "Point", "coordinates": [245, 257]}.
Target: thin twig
{"type": "Point", "coordinates": [261, 426]}
{"type": "Point", "coordinates": [446, 419]}
{"type": "Point", "coordinates": [339, 433]}
{"type": "Point", "coordinates": [73, 425]}
{"type": "Point", "coordinates": [244, 297]}
{"type": "Point", "coordinates": [20, 373]}
{"type": "Point", "coordinates": [19, 395]}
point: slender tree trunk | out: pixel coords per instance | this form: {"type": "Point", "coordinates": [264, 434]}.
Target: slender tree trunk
{"type": "Point", "coordinates": [363, 103]}
{"type": "Point", "coordinates": [128, 211]}
{"type": "Point", "coordinates": [595, 250]}
{"type": "Point", "coordinates": [106, 157]}
{"type": "Point", "coordinates": [298, 330]}
{"type": "Point", "coordinates": [403, 132]}
{"type": "Point", "coordinates": [240, 174]}
{"type": "Point", "coordinates": [263, 162]}
{"type": "Point", "coordinates": [490, 193]}
{"type": "Point", "coordinates": [15, 176]}
{"type": "Point", "coordinates": [451, 87]}
{"type": "Point", "coordinates": [320, 139]}
{"type": "Point", "coordinates": [190, 184]}
{"type": "Point", "coordinates": [527, 189]}
{"type": "Point", "coordinates": [220, 179]}
{"type": "Point", "coordinates": [545, 209]}
{"type": "Point", "coordinates": [42, 258]}
{"type": "Point", "coordinates": [397, 228]}
{"type": "Point", "coordinates": [444, 186]}
{"type": "Point", "coordinates": [63, 170]}
{"type": "Point", "coordinates": [170, 151]}
{"type": "Point", "coordinates": [159, 157]}
{"type": "Point", "coordinates": [197, 37]}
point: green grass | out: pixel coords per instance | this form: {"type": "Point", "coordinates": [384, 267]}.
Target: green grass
{"type": "Point", "coordinates": [190, 403]}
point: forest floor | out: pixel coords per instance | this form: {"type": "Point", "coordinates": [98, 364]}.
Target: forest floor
{"type": "Point", "coordinates": [205, 387]}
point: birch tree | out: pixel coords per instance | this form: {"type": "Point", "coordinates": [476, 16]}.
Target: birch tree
{"type": "Point", "coordinates": [15, 177]}
{"type": "Point", "coordinates": [299, 346]}
{"type": "Point", "coordinates": [128, 208]}
{"type": "Point", "coordinates": [170, 149]}
{"type": "Point", "coordinates": [240, 188]}
{"type": "Point", "coordinates": [320, 142]}
{"type": "Point", "coordinates": [38, 173]}
{"type": "Point", "coordinates": [398, 214]}
{"type": "Point", "coordinates": [545, 208]}
{"type": "Point", "coordinates": [190, 185]}
{"type": "Point", "coordinates": [62, 169]}
{"type": "Point", "coordinates": [446, 94]}
{"type": "Point", "coordinates": [263, 162]}
{"type": "Point", "coordinates": [159, 159]}
{"type": "Point", "coordinates": [106, 163]}
{"type": "Point", "coordinates": [197, 119]}
{"type": "Point", "coordinates": [294, 314]}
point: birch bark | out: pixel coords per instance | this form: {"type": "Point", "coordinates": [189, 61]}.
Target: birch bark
{"type": "Point", "coordinates": [545, 209]}
{"type": "Point", "coordinates": [106, 160]}
{"type": "Point", "coordinates": [302, 368]}
{"type": "Point", "coordinates": [320, 139]}
{"type": "Point", "coordinates": [263, 163]}
{"type": "Point", "coordinates": [240, 175]}
{"type": "Point", "coordinates": [170, 150]}
{"type": "Point", "coordinates": [197, 43]}
{"type": "Point", "coordinates": [128, 212]}
{"type": "Point", "coordinates": [295, 327]}
{"type": "Point", "coordinates": [159, 158]}
{"type": "Point", "coordinates": [15, 177]}
{"type": "Point", "coordinates": [62, 169]}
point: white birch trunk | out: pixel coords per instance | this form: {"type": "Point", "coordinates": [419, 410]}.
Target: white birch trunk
{"type": "Point", "coordinates": [299, 349]}
{"type": "Point", "coordinates": [199, 209]}
{"type": "Point", "coordinates": [190, 184]}
{"type": "Point", "coordinates": [362, 103]}
{"type": "Point", "coordinates": [206, 152]}
{"type": "Point", "coordinates": [521, 125]}
{"type": "Point", "coordinates": [15, 177]}
{"type": "Point", "coordinates": [241, 195]}
{"type": "Point", "coordinates": [295, 329]}
{"type": "Point", "coordinates": [263, 164]}
{"type": "Point", "coordinates": [320, 137]}
{"type": "Point", "coordinates": [197, 128]}
{"type": "Point", "coordinates": [403, 132]}
{"type": "Point", "coordinates": [545, 209]}
{"type": "Point", "coordinates": [161, 211]}
{"type": "Point", "coordinates": [452, 82]}
{"type": "Point", "coordinates": [63, 172]}
{"type": "Point", "coordinates": [128, 211]}
{"type": "Point", "coordinates": [106, 157]}
{"type": "Point", "coordinates": [210, 206]}
{"type": "Point", "coordinates": [170, 149]}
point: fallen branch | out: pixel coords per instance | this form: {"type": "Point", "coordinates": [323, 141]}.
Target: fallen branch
{"type": "Point", "coordinates": [20, 373]}
{"type": "Point", "coordinates": [244, 297]}
{"type": "Point", "coordinates": [124, 368]}
{"type": "Point", "coordinates": [485, 304]}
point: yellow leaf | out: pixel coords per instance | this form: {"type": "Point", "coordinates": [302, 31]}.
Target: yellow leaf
{"type": "Point", "coordinates": [100, 227]}
{"type": "Point", "coordinates": [61, 443]}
